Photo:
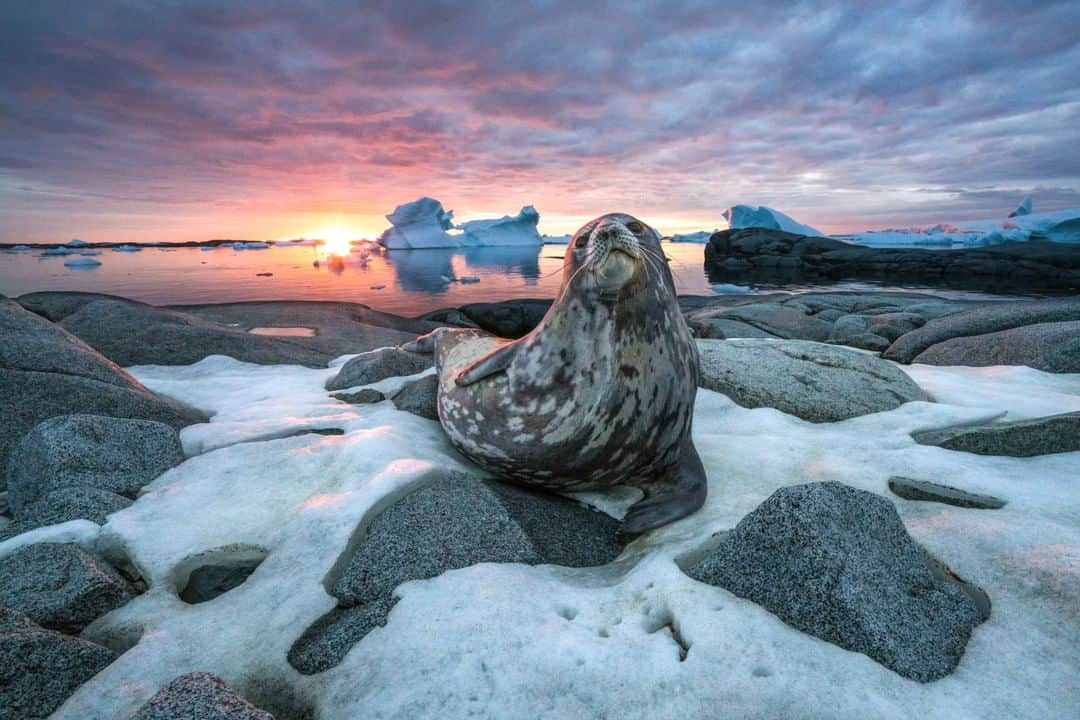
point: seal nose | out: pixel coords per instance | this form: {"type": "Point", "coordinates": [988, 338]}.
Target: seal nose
{"type": "Point", "coordinates": [609, 230]}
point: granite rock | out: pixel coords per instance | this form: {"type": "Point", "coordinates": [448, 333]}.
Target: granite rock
{"type": "Point", "coordinates": [926, 491]}
{"type": "Point", "coordinates": [376, 365]}
{"type": "Point", "coordinates": [1051, 347]}
{"type": "Point", "coordinates": [1022, 438]}
{"type": "Point", "coordinates": [420, 397]}
{"type": "Point", "coordinates": [199, 696]}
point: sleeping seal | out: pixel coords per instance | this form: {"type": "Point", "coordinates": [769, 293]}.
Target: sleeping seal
{"type": "Point", "coordinates": [600, 394]}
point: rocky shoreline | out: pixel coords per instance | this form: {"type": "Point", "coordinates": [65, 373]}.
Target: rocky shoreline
{"type": "Point", "coordinates": [775, 256]}
{"type": "Point", "coordinates": [86, 446]}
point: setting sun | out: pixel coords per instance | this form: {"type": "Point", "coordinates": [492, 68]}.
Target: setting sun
{"type": "Point", "coordinates": [335, 240]}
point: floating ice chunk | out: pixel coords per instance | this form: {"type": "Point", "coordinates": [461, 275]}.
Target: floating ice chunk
{"type": "Point", "coordinates": [89, 252]}
{"type": "Point", "coordinates": [55, 251]}
{"type": "Point", "coordinates": [419, 224]}
{"type": "Point", "coordinates": [250, 246]}
{"type": "Point", "coordinates": [81, 262]}
{"type": "Point", "coordinates": [555, 239]}
{"type": "Point", "coordinates": [127, 248]}
{"type": "Point", "coordinates": [76, 242]}
{"type": "Point", "coordinates": [518, 229]}
{"type": "Point", "coordinates": [468, 279]}
{"type": "Point", "coordinates": [696, 237]}
{"type": "Point", "coordinates": [759, 216]}
{"type": "Point", "coordinates": [208, 248]}
{"type": "Point", "coordinates": [19, 248]}
{"type": "Point", "coordinates": [1024, 208]}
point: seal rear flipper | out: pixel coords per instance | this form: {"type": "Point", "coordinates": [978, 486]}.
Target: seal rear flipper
{"type": "Point", "coordinates": [671, 498]}
{"type": "Point", "coordinates": [493, 363]}
{"type": "Point", "coordinates": [424, 344]}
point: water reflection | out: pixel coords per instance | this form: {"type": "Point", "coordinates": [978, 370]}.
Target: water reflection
{"type": "Point", "coordinates": [434, 270]}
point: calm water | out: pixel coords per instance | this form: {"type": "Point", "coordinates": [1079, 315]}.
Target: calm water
{"type": "Point", "coordinates": [413, 281]}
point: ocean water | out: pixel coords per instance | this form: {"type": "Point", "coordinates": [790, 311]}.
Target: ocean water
{"type": "Point", "coordinates": [407, 282]}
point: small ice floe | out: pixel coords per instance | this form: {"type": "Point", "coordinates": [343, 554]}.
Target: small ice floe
{"type": "Point", "coordinates": [208, 248]}
{"type": "Point", "coordinates": [555, 239]}
{"type": "Point", "coordinates": [81, 262]}
{"type": "Point", "coordinates": [89, 252]}
{"type": "Point", "coordinates": [468, 279]}
{"type": "Point", "coordinates": [729, 289]}
{"type": "Point", "coordinates": [76, 242]}
{"type": "Point", "coordinates": [55, 251]}
{"type": "Point", "coordinates": [380, 286]}
{"type": "Point", "coordinates": [127, 248]}
{"type": "Point", "coordinates": [250, 246]}
{"type": "Point", "coordinates": [19, 248]}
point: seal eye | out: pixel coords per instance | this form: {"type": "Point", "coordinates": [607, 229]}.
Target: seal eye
{"type": "Point", "coordinates": [634, 226]}
{"type": "Point", "coordinates": [582, 240]}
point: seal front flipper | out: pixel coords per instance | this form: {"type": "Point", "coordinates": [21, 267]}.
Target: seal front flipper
{"type": "Point", "coordinates": [670, 498]}
{"type": "Point", "coordinates": [491, 364]}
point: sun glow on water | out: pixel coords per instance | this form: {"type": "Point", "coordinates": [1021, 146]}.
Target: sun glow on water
{"type": "Point", "coordinates": [336, 240]}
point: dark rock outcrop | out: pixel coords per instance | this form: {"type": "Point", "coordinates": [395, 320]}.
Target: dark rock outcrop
{"type": "Point", "coordinates": [1023, 438]}
{"type": "Point", "coordinates": [90, 451]}
{"type": "Point", "coordinates": [837, 563]}
{"type": "Point", "coordinates": [757, 253]}
{"type": "Point", "coordinates": [199, 696]}
{"type": "Point", "coordinates": [926, 491]}
{"type": "Point", "coordinates": [45, 371]}
{"type": "Point", "coordinates": [60, 586]}
{"type": "Point", "coordinates": [376, 365]}
{"type": "Point", "coordinates": [40, 669]}
{"type": "Point", "coordinates": [813, 381]}
{"type": "Point", "coordinates": [450, 523]}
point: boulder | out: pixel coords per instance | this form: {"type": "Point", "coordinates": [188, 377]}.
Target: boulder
{"type": "Point", "coordinates": [210, 581]}
{"type": "Point", "coordinates": [1051, 347]}
{"type": "Point", "coordinates": [1023, 438]}
{"type": "Point", "coordinates": [376, 365]}
{"type": "Point", "coordinates": [420, 397]}
{"type": "Point", "coordinates": [363, 396]}
{"type": "Point", "coordinates": [780, 320]}
{"type": "Point", "coordinates": [115, 454]}
{"type": "Point", "coordinates": [450, 523]}
{"type": "Point", "coordinates": [508, 319]}
{"type": "Point", "coordinates": [837, 563]}
{"type": "Point", "coordinates": [45, 371]}
{"type": "Point", "coordinates": [40, 669]}
{"type": "Point", "coordinates": [924, 490]}
{"type": "Point", "coordinates": [66, 503]}
{"type": "Point", "coordinates": [60, 586]}
{"type": "Point", "coordinates": [719, 328]}
{"type": "Point", "coordinates": [988, 318]}
{"type": "Point", "coordinates": [199, 696]}
{"type": "Point", "coordinates": [816, 382]}
{"type": "Point", "coordinates": [133, 333]}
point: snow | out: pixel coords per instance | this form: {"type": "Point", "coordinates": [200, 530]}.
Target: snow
{"type": "Point", "coordinates": [759, 216]}
{"type": "Point", "coordinates": [701, 236]}
{"type": "Point", "coordinates": [82, 262]}
{"type": "Point", "coordinates": [1057, 226]}
{"type": "Point", "coordinates": [518, 229]}
{"type": "Point", "coordinates": [513, 641]}
{"type": "Point", "coordinates": [419, 224]}
{"type": "Point", "coordinates": [83, 532]}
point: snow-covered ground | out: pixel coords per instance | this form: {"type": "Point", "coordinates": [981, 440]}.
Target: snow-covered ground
{"type": "Point", "coordinates": [514, 641]}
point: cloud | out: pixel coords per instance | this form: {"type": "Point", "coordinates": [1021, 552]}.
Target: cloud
{"type": "Point", "coordinates": [842, 114]}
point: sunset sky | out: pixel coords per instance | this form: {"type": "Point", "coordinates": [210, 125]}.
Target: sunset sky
{"type": "Point", "coordinates": [142, 121]}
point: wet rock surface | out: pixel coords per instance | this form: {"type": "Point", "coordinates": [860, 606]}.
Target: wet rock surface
{"type": "Point", "coordinates": [450, 523]}
{"type": "Point", "coordinates": [199, 696]}
{"type": "Point", "coordinates": [924, 490]}
{"type": "Point", "coordinates": [90, 451]}
{"type": "Point", "coordinates": [420, 397]}
{"type": "Point", "coordinates": [837, 563]}
{"type": "Point", "coordinates": [376, 365]}
{"type": "Point", "coordinates": [39, 668]}
{"type": "Point", "coordinates": [45, 371]}
{"type": "Point", "coordinates": [1023, 438]}
{"type": "Point", "coordinates": [60, 586]}
{"type": "Point", "coordinates": [813, 381]}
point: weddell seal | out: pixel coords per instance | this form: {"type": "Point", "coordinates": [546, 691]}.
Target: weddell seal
{"type": "Point", "coordinates": [599, 394]}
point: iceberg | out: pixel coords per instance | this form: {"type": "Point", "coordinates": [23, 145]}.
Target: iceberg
{"type": "Point", "coordinates": [518, 229]}
{"type": "Point", "coordinates": [1024, 208]}
{"type": "Point", "coordinates": [759, 216]}
{"type": "Point", "coordinates": [419, 224]}
{"type": "Point", "coordinates": [82, 262]}
{"type": "Point", "coordinates": [1062, 226]}
{"type": "Point", "coordinates": [76, 242]}
{"type": "Point", "coordinates": [701, 236]}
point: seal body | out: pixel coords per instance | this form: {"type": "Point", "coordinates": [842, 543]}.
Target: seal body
{"type": "Point", "coordinates": [600, 393]}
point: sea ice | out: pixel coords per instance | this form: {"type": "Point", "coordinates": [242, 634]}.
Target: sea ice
{"type": "Point", "coordinates": [250, 246]}
{"type": "Point", "coordinates": [555, 239]}
{"type": "Point", "coordinates": [701, 236]}
{"type": "Point", "coordinates": [82, 262]}
{"type": "Point", "coordinates": [19, 248]}
{"type": "Point", "coordinates": [127, 248]}
{"type": "Point", "coordinates": [759, 216]}
{"type": "Point", "coordinates": [518, 229]}
{"type": "Point", "coordinates": [54, 251]}
{"type": "Point", "coordinates": [516, 641]}
{"type": "Point", "coordinates": [1058, 226]}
